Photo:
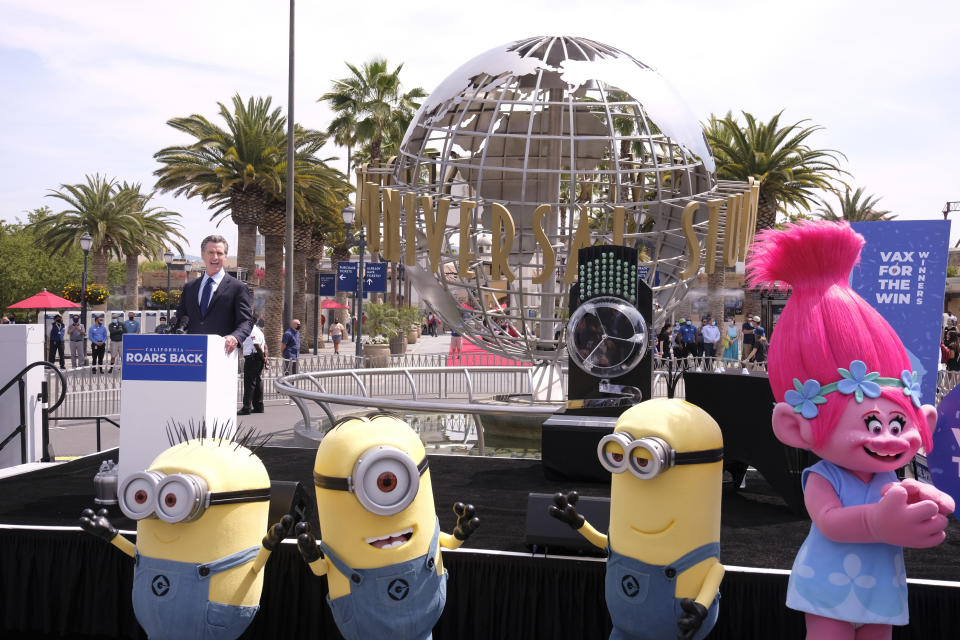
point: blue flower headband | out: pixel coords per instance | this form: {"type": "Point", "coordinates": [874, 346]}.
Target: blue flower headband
{"type": "Point", "coordinates": [805, 398]}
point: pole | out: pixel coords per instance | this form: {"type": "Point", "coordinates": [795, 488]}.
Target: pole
{"type": "Point", "coordinates": [168, 296]}
{"type": "Point", "coordinates": [83, 305]}
{"type": "Point", "coordinates": [363, 247]}
{"type": "Point", "coordinates": [288, 281]}
{"type": "Point", "coordinates": [316, 308]}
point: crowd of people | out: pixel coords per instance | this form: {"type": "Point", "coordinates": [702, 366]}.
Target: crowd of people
{"type": "Point", "coordinates": [710, 345]}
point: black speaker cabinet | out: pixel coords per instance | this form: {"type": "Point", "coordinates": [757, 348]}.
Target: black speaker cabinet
{"type": "Point", "coordinates": [547, 534]}
{"type": "Point", "coordinates": [292, 498]}
{"type": "Point", "coordinates": [568, 444]}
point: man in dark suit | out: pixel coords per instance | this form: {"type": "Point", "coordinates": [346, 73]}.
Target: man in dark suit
{"type": "Point", "coordinates": [217, 303]}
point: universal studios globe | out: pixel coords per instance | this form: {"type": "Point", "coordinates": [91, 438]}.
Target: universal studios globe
{"type": "Point", "coordinates": [561, 121]}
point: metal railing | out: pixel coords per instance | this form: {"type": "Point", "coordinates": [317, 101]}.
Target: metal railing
{"type": "Point", "coordinates": [45, 408]}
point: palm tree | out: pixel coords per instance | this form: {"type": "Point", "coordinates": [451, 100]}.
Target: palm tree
{"type": "Point", "coordinates": [96, 207]}
{"type": "Point", "coordinates": [788, 171]}
{"type": "Point", "coordinates": [159, 230]}
{"type": "Point", "coordinates": [234, 169]}
{"type": "Point", "coordinates": [853, 209]}
{"type": "Point", "coordinates": [371, 109]}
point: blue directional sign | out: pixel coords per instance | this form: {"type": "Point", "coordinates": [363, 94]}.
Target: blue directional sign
{"type": "Point", "coordinates": [375, 277]}
{"type": "Point", "coordinates": [347, 276]}
{"type": "Point", "coordinates": [328, 285]}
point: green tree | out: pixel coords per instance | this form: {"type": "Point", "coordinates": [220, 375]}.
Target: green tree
{"type": "Point", "coordinates": [371, 109]}
{"type": "Point", "coordinates": [97, 207]}
{"type": "Point", "coordinates": [779, 158]}
{"type": "Point", "coordinates": [159, 230]}
{"type": "Point", "coordinates": [855, 206]}
{"type": "Point", "coordinates": [234, 169]}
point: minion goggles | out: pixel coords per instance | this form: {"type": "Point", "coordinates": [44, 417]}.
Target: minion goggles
{"type": "Point", "coordinates": [660, 456]}
{"type": "Point", "coordinates": [179, 497]}
{"type": "Point", "coordinates": [385, 480]}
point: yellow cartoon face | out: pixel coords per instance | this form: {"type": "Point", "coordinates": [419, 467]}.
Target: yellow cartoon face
{"type": "Point", "coordinates": [665, 457]}
{"type": "Point", "coordinates": [199, 501]}
{"type": "Point", "coordinates": [374, 497]}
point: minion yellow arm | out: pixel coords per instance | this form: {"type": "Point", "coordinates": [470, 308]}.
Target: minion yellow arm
{"type": "Point", "coordinates": [595, 538]}
{"type": "Point", "coordinates": [711, 584]}
{"type": "Point", "coordinates": [262, 556]}
{"type": "Point", "coordinates": [318, 567]}
{"type": "Point", "coordinates": [449, 541]}
{"type": "Point", "coordinates": [123, 544]}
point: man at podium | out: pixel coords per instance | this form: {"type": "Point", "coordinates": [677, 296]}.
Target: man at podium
{"type": "Point", "coordinates": [217, 303]}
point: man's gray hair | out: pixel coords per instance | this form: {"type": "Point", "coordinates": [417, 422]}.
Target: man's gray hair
{"type": "Point", "coordinates": [215, 238]}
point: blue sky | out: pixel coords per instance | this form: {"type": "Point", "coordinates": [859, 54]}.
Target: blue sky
{"type": "Point", "coordinates": [87, 86]}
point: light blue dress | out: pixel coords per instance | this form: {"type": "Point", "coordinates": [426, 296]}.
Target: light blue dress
{"type": "Point", "coordinates": [863, 583]}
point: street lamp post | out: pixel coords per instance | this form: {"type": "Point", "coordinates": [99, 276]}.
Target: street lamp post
{"type": "Point", "coordinates": [349, 214]}
{"type": "Point", "coordinates": [168, 258]}
{"type": "Point", "coordinates": [86, 243]}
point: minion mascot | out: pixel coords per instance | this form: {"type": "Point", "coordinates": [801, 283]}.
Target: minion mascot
{"type": "Point", "coordinates": [201, 509]}
{"type": "Point", "coordinates": [663, 567]}
{"type": "Point", "coordinates": [381, 537]}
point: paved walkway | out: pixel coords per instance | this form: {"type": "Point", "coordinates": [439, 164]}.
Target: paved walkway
{"type": "Point", "coordinates": [278, 419]}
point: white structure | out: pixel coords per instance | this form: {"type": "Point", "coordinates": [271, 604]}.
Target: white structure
{"type": "Point", "coordinates": [171, 380]}
{"type": "Point", "coordinates": [21, 345]}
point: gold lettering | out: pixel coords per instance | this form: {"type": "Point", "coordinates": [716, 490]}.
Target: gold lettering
{"type": "Point", "coordinates": [731, 232]}
{"type": "Point", "coordinates": [410, 213]}
{"type": "Point", "coordinates": [371, 215]}
{"type": "Point", "coordinates": [693, 244]}
{"type": "Point", "coordinates": [435, 223]}
{"type": "Point", "coordinates": [391, 225]}
{"type": "Point", "coordinates": [466, 224]}
{"type": "Point", "coordinates": [713, 206]}
{"type": "Point", "coordinates": [502, 221]}
{"type": "Point", "coordinates": [580, 239]}
{"type": "Point", "coordinates": [619, 224]}
{"type": "Point", "coordinates": [549, 255]}
{"type": "Point", "coordinates": [753, 196]}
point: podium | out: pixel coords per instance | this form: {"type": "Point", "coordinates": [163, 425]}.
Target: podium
{"type": "Point", "coordinates": [169, 380]}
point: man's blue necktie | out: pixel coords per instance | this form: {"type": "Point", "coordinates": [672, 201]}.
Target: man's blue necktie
{"type": "Point", "coordinates": [205, 298]}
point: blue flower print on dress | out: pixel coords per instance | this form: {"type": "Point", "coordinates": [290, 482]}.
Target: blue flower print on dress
{"type": "Point", "coordinates": [805, 398]}
{"type": "Point", "coordinates": [857, 381]}
{"type": "Point", "coordinates": [911, 386]}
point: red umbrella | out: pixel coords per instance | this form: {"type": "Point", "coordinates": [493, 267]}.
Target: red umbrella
{"type": "Point", "coordinates": [332, 304]}
{"type": "Point", "coordinates": [45, 300]}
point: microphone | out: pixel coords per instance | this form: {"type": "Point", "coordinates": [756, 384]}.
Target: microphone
{"type": "Point", "coordinates": [181, 326]}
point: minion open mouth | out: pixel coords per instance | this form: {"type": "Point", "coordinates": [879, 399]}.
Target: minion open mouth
{"type": "Point", "coordinates": [884, 457]}
{"type": "Point", "coordinates": [391, 540]}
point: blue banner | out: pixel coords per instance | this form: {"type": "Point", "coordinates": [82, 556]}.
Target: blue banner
{"type": "Point", "coordinates": [327, 284]}
{"type": "Point", "coordinates": [347, 276]}
{"type": "Point", "coordinates": [375, 277]}
{"type": "Point", "coordinates": [902, 273]}
{"type": "Point", "coordinates": [944, 461]}
{"type": "Point", "coordinates": [164, 357]}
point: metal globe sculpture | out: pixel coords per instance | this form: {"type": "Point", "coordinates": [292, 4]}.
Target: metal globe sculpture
{"type": "Point", "coordinates": [579, 126]}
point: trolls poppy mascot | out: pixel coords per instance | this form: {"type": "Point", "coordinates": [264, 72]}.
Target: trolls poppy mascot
{"type": "Point", "coordinates": [846, 391]}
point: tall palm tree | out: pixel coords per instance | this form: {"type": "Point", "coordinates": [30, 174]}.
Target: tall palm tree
{"type": "Point", "coordinates": [159, 230]}
{"type": "Point", "coordinates": [788, 170]}
{"type": "Point", "coordinates": [853, 209]}
{"type": "Point", "coordinates": [371, 108]}
{"type": "Point", "coordinates": [233, 168]}
{"type": "Point", "coordinates": [96, 207]}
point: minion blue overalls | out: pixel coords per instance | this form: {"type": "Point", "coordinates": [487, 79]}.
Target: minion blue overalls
{"type": "Point", "coordinates": [401, 601]}
{"type": "Point", "coordinates": [641, 597]}
{"type": "Point", "coordinates": [172, 599]}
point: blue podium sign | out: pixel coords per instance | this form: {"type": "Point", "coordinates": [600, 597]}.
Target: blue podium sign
{"type": "Point", "coordinates": [902, 274]}
{"type": "Point", "coordinates": [165, 357]}
{"type": "Point", "coordinates": [347, 276]}
{"type": "Point", "coordinates": [328, 285]}
{"type": "Point", "coordinates": [375, 277]}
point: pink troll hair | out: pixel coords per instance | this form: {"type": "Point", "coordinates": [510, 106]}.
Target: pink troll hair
{"type": "Point", "coordinates": [825, 324]}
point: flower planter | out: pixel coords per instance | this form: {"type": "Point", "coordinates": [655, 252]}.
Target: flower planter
{"type": "Point", "coordinates": [412, 336]}
{"type": "Point", "coordinates": [376, 356]}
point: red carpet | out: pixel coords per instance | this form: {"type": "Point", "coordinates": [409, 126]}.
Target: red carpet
{"type": "Point", "coordinates": [474, 356]}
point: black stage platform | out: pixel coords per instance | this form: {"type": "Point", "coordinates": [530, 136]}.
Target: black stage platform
{"type": "Point", "coordinates": [57, 582]}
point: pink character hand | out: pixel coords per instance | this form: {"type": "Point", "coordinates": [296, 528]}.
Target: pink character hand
{"type": "Point", "coordinates": [894, 521]}
{"type": "Point", "coordinates": [918, 491]}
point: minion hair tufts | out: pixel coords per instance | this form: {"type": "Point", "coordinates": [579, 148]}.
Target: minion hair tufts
{"type": "Point", "coordinates": [219, 432]}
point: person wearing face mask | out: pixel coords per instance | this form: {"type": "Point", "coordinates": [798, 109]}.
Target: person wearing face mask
{"type": "Point", "coordinates": [711, 336]}
{"type": "Point", "coordinates": [76, 332]}
{"type": "Point", "coordinates": [688, 339]}
{"type": "Point", "coordinates": [732, 351]}
{"type": "Point", "coordinates": [747, 337]}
